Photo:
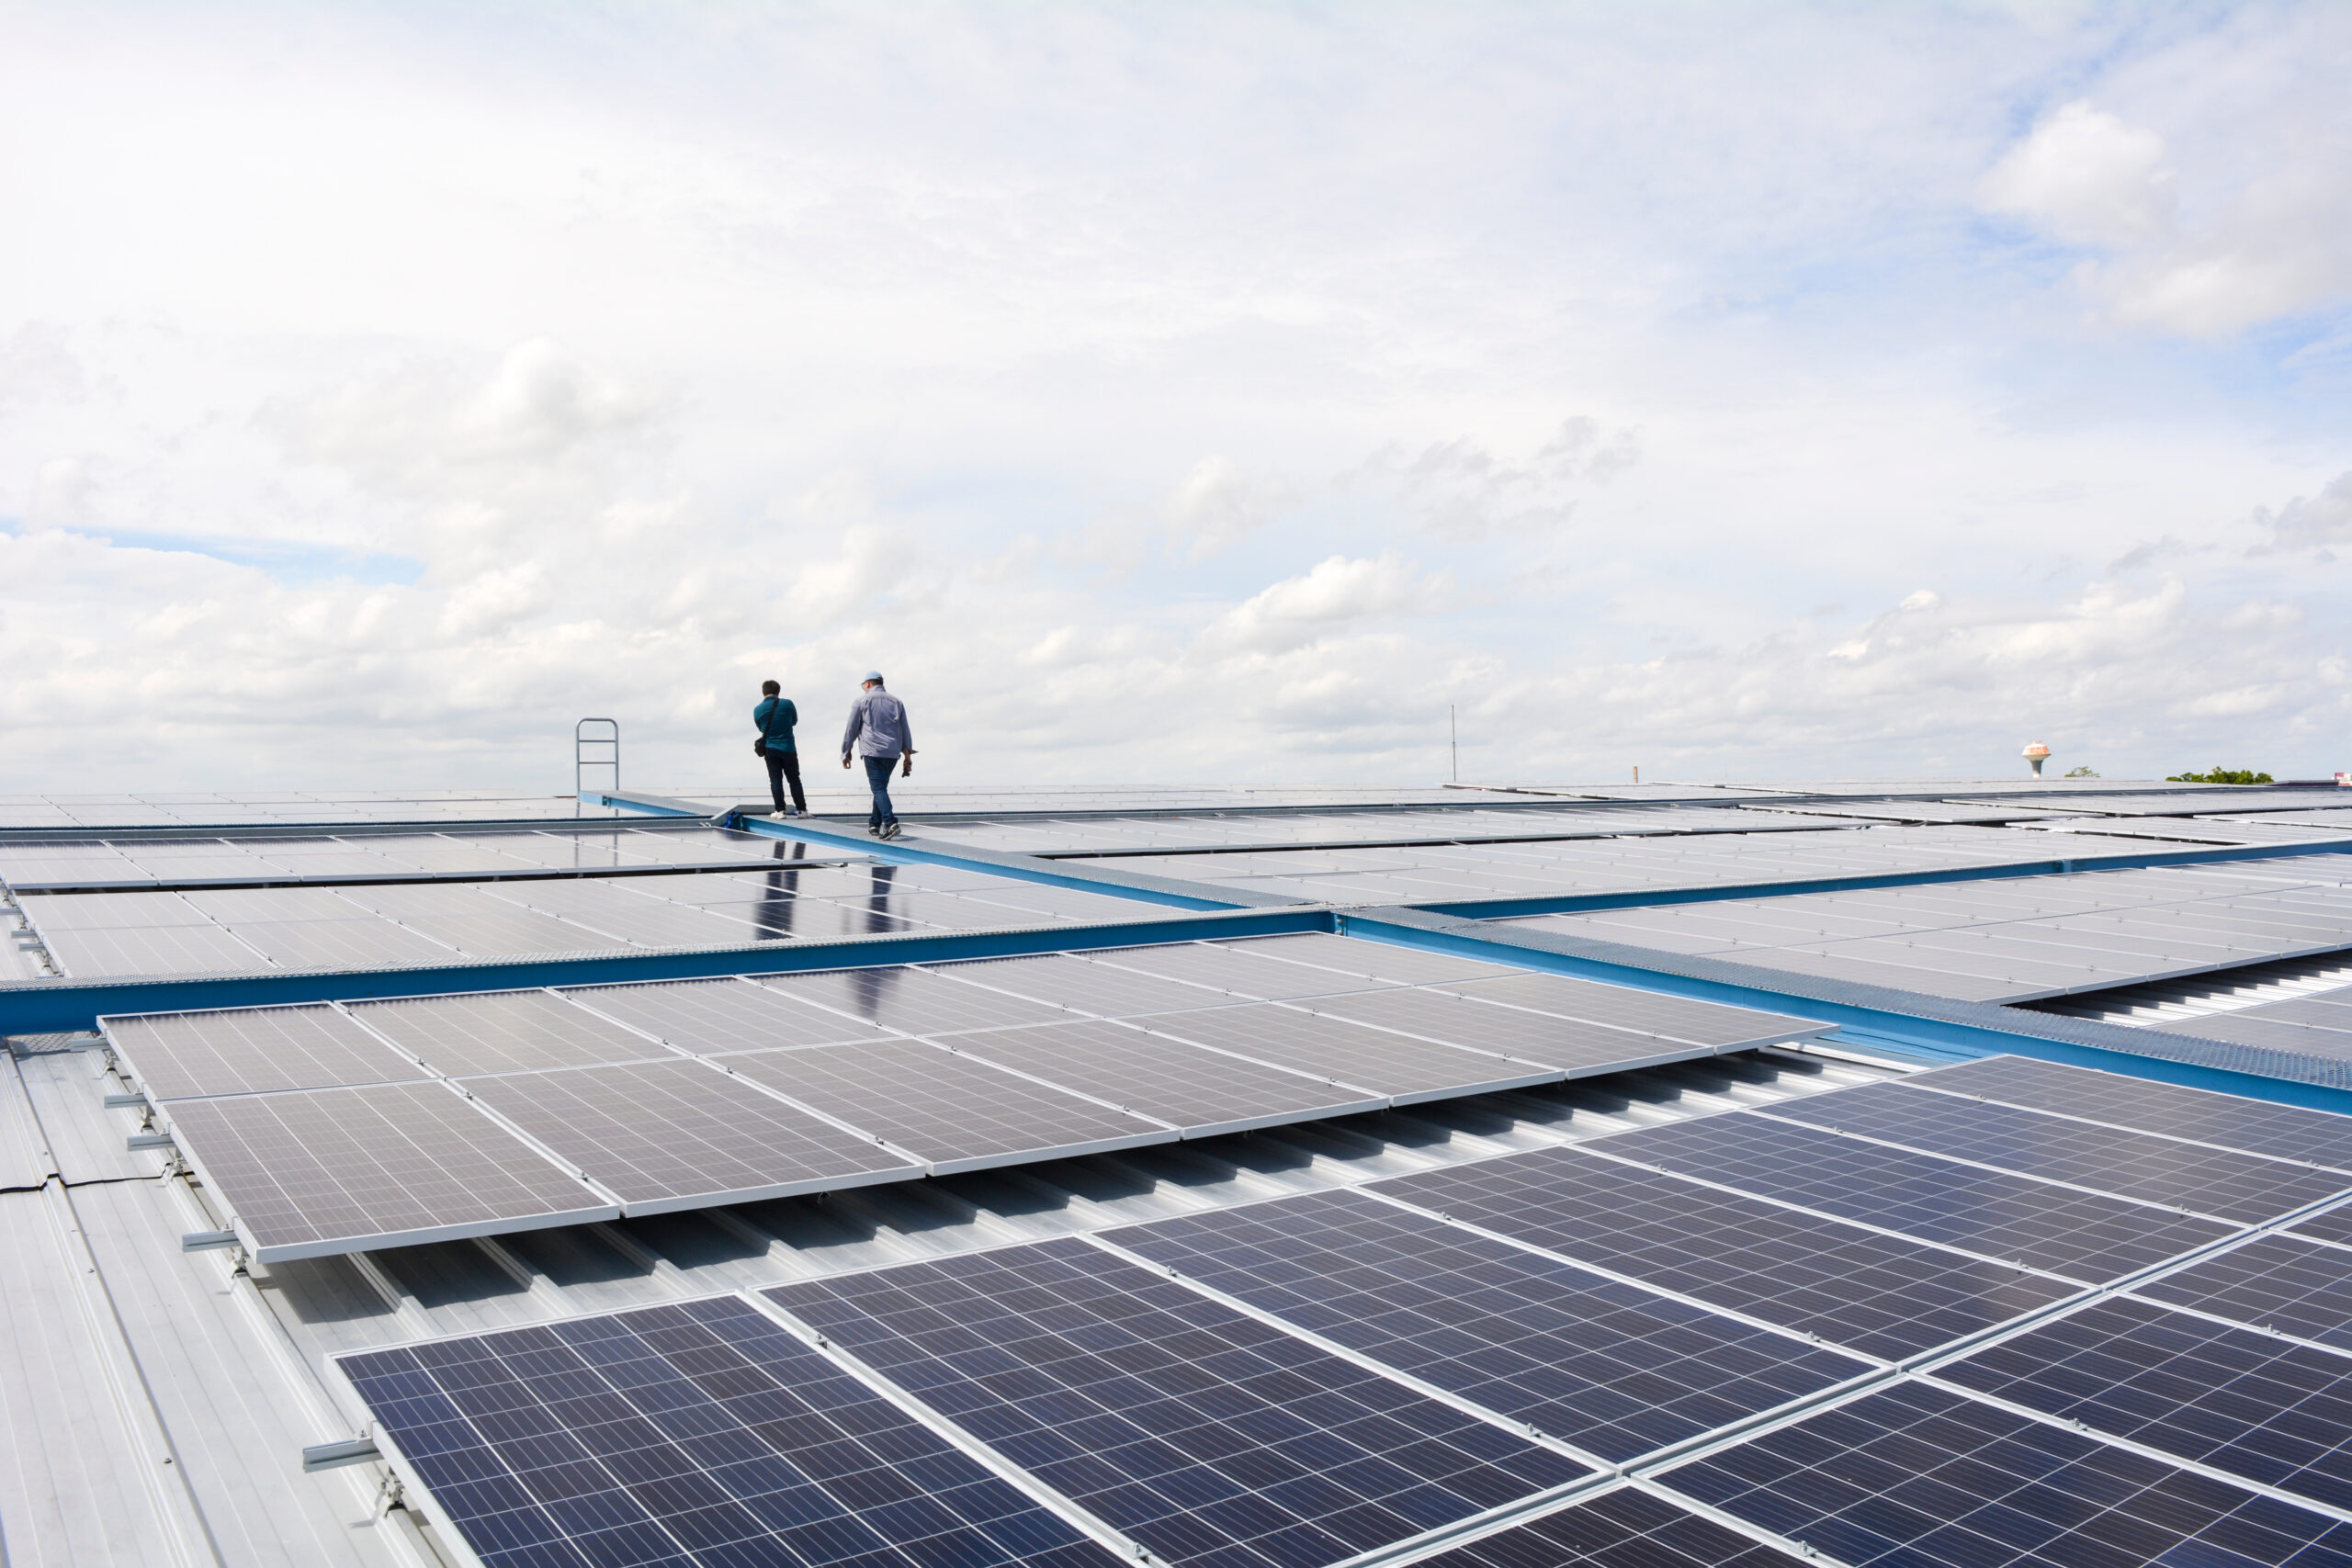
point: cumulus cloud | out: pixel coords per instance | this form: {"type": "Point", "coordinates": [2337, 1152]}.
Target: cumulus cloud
{"type": "Point", "coordinates": [1217, 505]}
{"type": "Point", "coordinates": [2276, 242]}
{"type": "Point", "coordinates": [1336, 594]}
{"type": "Point", "coordinates": [2309, 522]}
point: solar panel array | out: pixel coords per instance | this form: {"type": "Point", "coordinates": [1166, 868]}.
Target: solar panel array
{"type": "Point", "coordinates": [1627, 867]}
{"type": "Point", "coordinates": [2007, 940]}
{"type": "Point", "coordinates": [1561, 1356]}
{"type": "Point", "coordinates": [257, 930]}
{"type": "Point", "coordinates": [665, 1096]}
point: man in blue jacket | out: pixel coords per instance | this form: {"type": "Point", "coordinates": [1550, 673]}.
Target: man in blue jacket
{"type": "Point", "coordinates": [878, 733]}
{"type": "Point", "coordinates": [775, 715]}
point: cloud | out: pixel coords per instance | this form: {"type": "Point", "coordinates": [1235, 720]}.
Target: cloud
{"type": "Point", "coordinates": [2088, 178]}
{"type": "Point", "coordinates": [1217, 505]}
{"type": "Point", "coordinates": [2278, 242]}
{"type": "Point", "coordinates": [1459, 490]}
{"type": "Point", "coordinates": [1337, 594]}
{"type": "Point", "coordinates": [2308, 523]}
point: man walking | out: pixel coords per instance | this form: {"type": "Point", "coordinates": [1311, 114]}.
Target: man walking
{"type": "Point", "coordinates": [878, 734]}
{"type": "Point", "coordinates": [775, 715]}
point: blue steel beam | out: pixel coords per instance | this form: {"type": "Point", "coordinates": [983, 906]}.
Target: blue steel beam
{"type": "Point", "coordinates": [64, 1006]}
{"type": "Point", "coordinates": [1932, 1023]}
{"type": "Point", "coordinates": [1162, 890]}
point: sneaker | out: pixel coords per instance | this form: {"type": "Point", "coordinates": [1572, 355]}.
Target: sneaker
{"type": "Point", "coordinates": [779, 816]}
{"type": "Point", "coordinates": [889, 830]}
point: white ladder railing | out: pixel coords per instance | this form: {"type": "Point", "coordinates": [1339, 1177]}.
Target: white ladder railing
{"type": "Point", "coordinates": [581, 762]}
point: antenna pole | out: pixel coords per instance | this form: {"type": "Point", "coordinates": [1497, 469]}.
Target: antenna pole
{"type": "Point", "coordinates": [1452, 743]}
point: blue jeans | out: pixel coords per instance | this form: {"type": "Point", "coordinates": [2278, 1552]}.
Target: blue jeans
{"type": "Point", "coordinates": [877, 777]}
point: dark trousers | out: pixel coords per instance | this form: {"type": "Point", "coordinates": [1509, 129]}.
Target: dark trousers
{"type": "Point", "coordinates": [878, 778]}
{"type": "Point", "coordinates": [783, 765]}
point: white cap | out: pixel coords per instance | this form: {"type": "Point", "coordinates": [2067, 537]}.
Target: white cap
{"type": "Point", "coordinates": [875, 676]}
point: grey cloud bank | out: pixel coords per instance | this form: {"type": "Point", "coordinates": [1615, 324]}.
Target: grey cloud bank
{"type": "Point", "coordinates": [1174, 398]}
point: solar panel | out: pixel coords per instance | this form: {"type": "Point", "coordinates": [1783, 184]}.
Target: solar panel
{"type": "Point", "coordinates": [695, 1431]}
{"type": "Point", "coordinates": [511, 935]}
{"type": "Point", "coordinates": [2254, 1404]}
{"type": "Point", "coordinates": [1206, 1436]}
{"type": "Point", "coordinates": [1572, 1045]}
{"type": "Point", "coordinates": [1408, 1071]}
{"type": "Point", "coordinates": [2082, 1236]}
{"type": "Point", "coordinates": [1067, 980]}
{"type": "Point", "coordinates": [108, 953]}
{"type": "Point", "coordinates": [912, 1000]}
{"type": "Point", "coordinates": [677, 1134]}
{"type": "Point", "coordinates": [2336, 1224]}
{"type": "Point", "coordinates": [503, 1031]}
{"type": "Point", "coordinates": [2288, 1131]}
{"type": "Point", "coordinates": [1372, 960]}
{"type": "Point", "coordinates": [2273, 1281]}
{"type": "Point", "coordinates": [252, 1051]}
{"type": "Point", "coordinates": [2221, 1182]}
{"type": "Point", "coordinates": [1624, 1529]}
{"type": "Point", "coordinates": [952, 1112]}
{"type": "Point", "coordinates": [314, 1172]}
{"type": "Point", "coordinates": [1923, 1477]}
{"type": "Point", "coordinates": [1649, 1012]}
{"type": "Point", "coordinates": [362, 942]}
{"type": "Point", "coordinates": [1243, 972]}
{"type": "Point", "coordinates": [1204, 1092]}
{"type": "Point", "coordinates": [708, 1016]}
{"type": "Point", "coordinates": [1607, 1366]}
{"type": "Point", "coordinates": [1880, 1295]}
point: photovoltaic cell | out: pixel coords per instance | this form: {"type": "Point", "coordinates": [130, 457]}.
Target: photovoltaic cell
{"type": "Point", "coordinates": [1923, 1477]}
{"type": "Point", "coordinates": [1604, 1365]}
{"type": "Point", "coordinates": [503, 1031]}
{"type": "Point", "coordinates": [1205, 1435]}
{"type": "Point", "coordinates": [2257, 1405]}
{"type": "Point", "coordinates": [678, 1134]}
{"type": "Point", "coordinates": [953, 1113]}
{"type": "Point", "coordinates": [2083, 1235]}
{"type": "Point", "coordinates": [690, 1433]}
{"type": "Point", "coordinates": [1624, 1529]}
{"type": "Point", "coordinates": [254, 1051]}
{"type": "Point", "coordinates": [2336, 1224]}
{"type": "Point", "coordinates": [1405, 1069]}
{"type": "Point", "coordinates": [2288, 1131]}
{"type": "Point", "coordinates": [2277, 1281]}
{"type": "Point", "coordinates": [1201, 1091]}
{"type": "Point", "coordinates": [709, 1017]}
{"type": "Point", "coordinates": [314, 1172]}
{"type": "Point", "coordinates": [2221, 1182]}
{"type": "Point", "coordinates": [1882, 1295]}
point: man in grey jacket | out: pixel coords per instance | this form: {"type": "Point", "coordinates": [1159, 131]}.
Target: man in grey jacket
{"type": "Point", "coordinates": [878, 734]}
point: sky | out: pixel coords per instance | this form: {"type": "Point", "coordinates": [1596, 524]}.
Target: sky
{"type": "Point", "coordinates": [1174, 395]}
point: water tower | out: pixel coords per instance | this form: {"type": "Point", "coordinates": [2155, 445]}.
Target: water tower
{"type": "Point", "coordinates": [2036, 754]}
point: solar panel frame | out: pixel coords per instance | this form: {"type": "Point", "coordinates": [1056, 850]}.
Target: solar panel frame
{"type": "Point", "coordinates": [1204, 1434]}
{"type": "Point", "coordinates": [702, 1412]}
{"type": "Point", "coordinates": [408, 1146]}
{"type": "Point", "coordinates": [2224, 1183]}
{"type": "Point", "coordinates": [474, 1033]}
{"type": "Point", "coordinates": [970, 1115]}
{"type": "Point", "coordinates": [1614, 1368]}
{"type": "Point", "coordinates": [1879, 1294]}
{"type": "Point", "coordinates": [1206, 1093]}
{"type": "Point", "coordinates": [662, 1136]}
{"type": "Point", "coordinates": [2091, 1238]}
{"type": "Point", "coordinates": [2274, 1411]}
{"type": "Point", "coordinates": [1923, 1476]}
{"type": "Point", "coordinates": [199, 1055]}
